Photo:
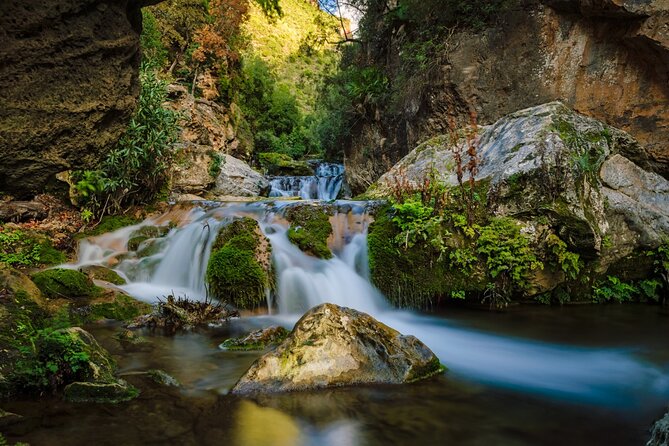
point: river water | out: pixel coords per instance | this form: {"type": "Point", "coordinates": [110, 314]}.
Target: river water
{"type": "Point", "coordinates": [531, 375]}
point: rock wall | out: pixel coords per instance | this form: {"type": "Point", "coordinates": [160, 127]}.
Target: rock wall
{"type": "Point", "coordinates": [606, 59]}
{"type": "Point", "coordinates": [68, 85]}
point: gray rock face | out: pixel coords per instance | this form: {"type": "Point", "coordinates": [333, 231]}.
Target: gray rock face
{"type": "Point", "coordinates": [332, 346]}
{"type": "Point", "coordinates": [238, 179]}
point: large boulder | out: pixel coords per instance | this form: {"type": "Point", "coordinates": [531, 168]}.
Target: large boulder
{"type": "Point", "coordinates": [549, 161]}
{"type": "Point", "coordinates": [238, 179]}
{"type": "Point", "coordinates": [332, 346]}
{"type": "Point", "coordinates": [68, 85]}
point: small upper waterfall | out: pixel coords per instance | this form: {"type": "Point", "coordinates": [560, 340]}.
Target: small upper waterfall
{"type": "Point", "coordinates": [325, 184]}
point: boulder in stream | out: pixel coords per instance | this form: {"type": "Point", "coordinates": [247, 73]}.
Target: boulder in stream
{"type": "Point", "coordinates": [333, 346]}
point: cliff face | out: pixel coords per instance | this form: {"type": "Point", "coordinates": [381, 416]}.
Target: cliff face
{"type": "Point", "coordinates": [68, 85]}
{"type": "Point", "coordinates": [605, 58]}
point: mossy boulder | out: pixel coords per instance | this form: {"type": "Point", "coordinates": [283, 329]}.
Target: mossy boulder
{"type": "Point", "coordinates": [415, 277]}
{"type": "Point", "coordinates": [256, 340]}
{"type": "Point", "coordinates": [65, 283]}
{"type": "Point", "coordinates": [282, 164]}
{"type": "Point", "coordinates": [239, 269]}
{"type": "Point", "coordinates": [131, 342]}
{"type": "Point", "coordinates": [16, 282]}
{"type": "Point", "coordinates": [109, 223]}
{"type": "Point", "coordinates": [100, 392]}
{"type": "Point", "coordinates": [333, 346]}
{"type": "Point", "coordinates": [118, 306]}
{"type": "Point", "coordinates": [98, 272]}
{"type": "Point", "coordinates": [310, 228]}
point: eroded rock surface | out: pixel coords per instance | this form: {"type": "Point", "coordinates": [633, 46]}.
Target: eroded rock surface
{"type": "Point", "coordinates": [68, 85]}
{"type": "Point", "coordinates": [333, 346]}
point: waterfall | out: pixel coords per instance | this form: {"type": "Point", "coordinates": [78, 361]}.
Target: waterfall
{"type": "Point", "coordinates": [325, 184]}
{"type": "Point", "coordinates": [595, 375]}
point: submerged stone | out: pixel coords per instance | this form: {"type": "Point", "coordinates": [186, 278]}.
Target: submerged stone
{"type": "Point", "coordinates": [163, 378]}
{"type": "Point", "coordinates": [256, 340]}
{"type": "Point", "coordinates": [100, 392]}
{"type": "Point", "coordinates": [333, 346]}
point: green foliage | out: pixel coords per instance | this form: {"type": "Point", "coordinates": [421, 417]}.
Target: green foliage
{"type": "Point", "coordinates": [154, 52]}
{"type": "Point", "coordinates": [507, 253]}
{"type": "Point", "coordinates": [282, 164]}
{"type": "Point", "coordinates": [135, 171]}
{"type": "Point", "coordinates": [613, 289]}
{"type": "Point", "coordinates": [568, 262]}
{"type": "Point", "coordinates": [110, 223]}
{"type": "Point", "coordinates": [53, 359]}
{"type": "Point", "coordinates": [650, 289]}
{"type": "Point", "coordinates": [20, 249]}
{"type": "Point", "coordinates": [67, 283]}
{"type": "Point", "coordinates": [418, 223]}
{"type": "Point", "coordinates": [309, 229]}
{"type": "Point", "coordinates": [217, 161]}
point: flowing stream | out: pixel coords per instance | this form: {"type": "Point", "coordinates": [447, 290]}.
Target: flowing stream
{"type": "Point", "coordinates": [600, 376]}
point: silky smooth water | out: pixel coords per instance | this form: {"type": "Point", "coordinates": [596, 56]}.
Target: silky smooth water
{"type": "Point", "coordinates": [532, 384]}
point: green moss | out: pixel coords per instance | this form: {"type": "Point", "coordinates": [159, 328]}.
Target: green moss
{"type": "Point", "coordinates": [103, 273]}
{"type": "Point", "coordinates": [100, 392]}
{"type": "Point", "coordinates": [234, 272]}
{"type": "Point", "coordinates": [416, 277]}
{"type": "Point", "coordinates": [122, 308]}
{"type": "Point", "coordinates": [109, 223]}
{"type": "Point", "coordinates": [310, 229]}
{"type": "Point", "coordinates": [66, 283]}
{"type": "Point", "coordinates": [134, 242]}
{"type": "Point", "coordinates": [48, 255]}
{"type": "Point", "coordinates": [257, 340]}
{"type": "Point", "coordinates": [282, 164]}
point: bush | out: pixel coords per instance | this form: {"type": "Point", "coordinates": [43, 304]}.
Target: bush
{"type": "Point", "coordinates": [136, 170]}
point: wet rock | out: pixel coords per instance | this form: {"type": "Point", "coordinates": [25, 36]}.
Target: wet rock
{"type": "Point", "coordinates": [256, 340]}
{"type": "Point", "coordinates": [131, 342]}
{"type": "Point", "coordinates": [100, 392]}
{"type": "Point", "coordinates": [333, 346]}
{"type": "Point", "coordinates": [16, 282]}
{"type": "Point", "coordinates": [659, 435]}
{"type": "Point", "coordinates": [236, 178]}
{"type": "Point", "coordinates": [99, 272]}
{"type": "Point", "coordinates": [116, 305]}
{"type": "Point", "coordinates": [163, 378]}
{"type": "Point", "coordinates": [99, 366]}
{"type": "Point", "coordinates": [64, 283]}
{"type": "Point", "coordinates": [7, 418]}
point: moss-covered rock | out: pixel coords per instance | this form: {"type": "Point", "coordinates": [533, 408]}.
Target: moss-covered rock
{"type": "Point", "coordinates": [64, 283]}
{"type": "Point", "coordinates": [239, 269]}
{"type": "Point", "coordinates": [332, 346]}
{"type": "Point", "coordinates": [310, 229]}
{"type": "Point", "coordinates": [100, 392]}
{"type": "Point", "coordinates": [109, 223]}
{"type": "Point", "coordinates": [416, 277]}
{"type": "Point", "coordinates": [282, 164]}
{"type": "Point", "coordinates": [131, 342]}
{"type": "Point", "coordinates": [99, 272]}
{"type": "Point", "coordinates": [117, 306]}
{"type": "Point", "coordinates": [16, 282]}
{"type": "Point", "coordinates": [256, 340]}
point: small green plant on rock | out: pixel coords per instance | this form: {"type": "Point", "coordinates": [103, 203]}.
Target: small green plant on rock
{"type": "Point", "coordinates": [567, 261]}
{"type": "Point", "coordinates": [613, 289]}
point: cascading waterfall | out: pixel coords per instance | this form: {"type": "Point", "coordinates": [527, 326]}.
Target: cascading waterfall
{"type": "Point", "coordinates": [324, 185]}
{"type": "Point", "coordinates": [602, 376]}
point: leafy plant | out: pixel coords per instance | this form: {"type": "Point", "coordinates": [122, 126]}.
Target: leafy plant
{"type": "Point", "coordinates": [567, 261]}
{"type": "Point", "coordinates": [17, 248]}
{"type": "Point", "coordinates": [507, 252]}
{"type": "Point", "coordinates": [613, 289]}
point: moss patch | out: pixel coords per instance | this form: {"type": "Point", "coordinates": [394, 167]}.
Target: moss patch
{"type": "Point", "coordinates": [310, 228]}
{"type": "Point", "coordinates": [121, 308]}
{"type": "Point", "coordinates": [282, 164]}
{"type": "Point", "coordinates": [414, 277]}
{"type": "Point", "coordinates": [109, 223]}
{"type": "Point", "coordinates": [238, 271]}
{"type": "Point", "coordinates": [67, 283]}
{"type": "Point", "coordinates": [102, 273]}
